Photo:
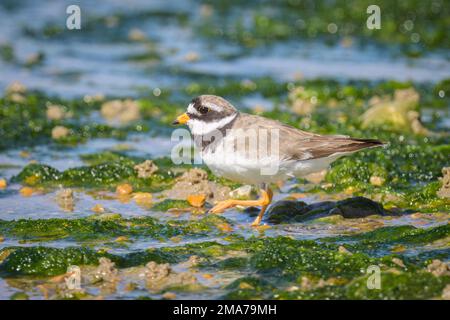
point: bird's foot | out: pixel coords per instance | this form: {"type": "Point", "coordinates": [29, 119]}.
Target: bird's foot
{"type": "Point", "coordinates": [221, 206]}
{"type": "Point", "coordinates": [263, 201]}
{"type": "Point", "coordinates": [257, 221]}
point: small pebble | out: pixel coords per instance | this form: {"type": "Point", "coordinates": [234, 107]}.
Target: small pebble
{"type": "Point", "coordinates": [26, 191]}
{"type": "Point", "coordinates": [143, 198]}
{"type": "Point", "coordinates": [398, 262]}
{"type": "Point", "coordinates": [344, 250]}
{"type": "Point", "coordinates": [169, 295]}
{"type": "Point", "coordinates": [98, 208]}
{"type": "Point", "coordinates": [224, 227]}
{"type": "Point", "coordinates": [124, 189]}
{"type": "Point", "coordinates": [59, 132]}
{"type": "Point", "coordinates": [196, 200]}
{"type": "Point", "coordinates": [122, 239]}
{"type": "Point", "coordinates": [377, 181]}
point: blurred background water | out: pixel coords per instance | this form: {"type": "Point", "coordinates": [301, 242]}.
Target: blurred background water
{"type": "Point", "coordinates": [134, 48]}
{"type": "Point", "coordinates": [125, 47]}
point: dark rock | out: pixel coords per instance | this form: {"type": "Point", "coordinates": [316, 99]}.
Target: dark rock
{"type": "Point", "coordinates": [359, 207]}
{"type": "Point", "coordinates": [285, 210]}
{"type": "Point", "coordinates": [297, 211]}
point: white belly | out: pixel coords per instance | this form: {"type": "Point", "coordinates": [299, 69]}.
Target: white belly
{"type": "Point", "coordinates": [251, 171]}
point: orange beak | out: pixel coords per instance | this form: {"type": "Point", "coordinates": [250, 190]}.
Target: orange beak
{"type": "Point", "coordinates": [182, 119]}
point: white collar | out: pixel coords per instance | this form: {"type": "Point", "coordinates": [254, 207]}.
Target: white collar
{"type": "Point", "coordinates": [199, 127]}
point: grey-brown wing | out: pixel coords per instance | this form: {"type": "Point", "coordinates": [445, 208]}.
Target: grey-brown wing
{"type": "Point", "coordinates": [296, 144]}
{"type": "Point", "coordinates": [325, 146]}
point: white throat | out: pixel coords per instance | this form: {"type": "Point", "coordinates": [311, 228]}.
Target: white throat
{"type": "Point", "coordinates": [199, 127]}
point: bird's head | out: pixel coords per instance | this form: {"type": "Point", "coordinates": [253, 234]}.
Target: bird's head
{"type": "Point", "coordinates": [207, 113]}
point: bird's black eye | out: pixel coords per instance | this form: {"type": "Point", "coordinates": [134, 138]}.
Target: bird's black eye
{"type": "Point", "coordinates": [203, 109]}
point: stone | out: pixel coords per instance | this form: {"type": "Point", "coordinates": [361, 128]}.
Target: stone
{"type": "Point", "coordinates": [195, 181]}
{"type": "Point", "coordinates": [344, 250]}
{"type": "Point", "coordinates": [124, 189]}
{"type": "Point", "coordinates": [106, 271]}
{"type": "Point", "coordinates": [446, 292]}
{"type": "Point", "coordinates": [359, 207]}
{"type": "Point", "coordinates": [66, 200]}
{"type": "Point", "coordinates": [161, 276]}
{"type": "Point", "coordinates": [444, 191]}
{"type": "Point", "coordinates": [60, 132]}
{"type": "Point", "coordinates": [146, 169]}
{"type": "Point", "coordinates": [55, 112]}
{"type": "Point", "coordinates": [243, 192]}
{"type": "Point", "coordinates": [26, 191]}
{"type": "Point", "coordinates": [377, 181]}
{"type": "Point", "coordinates": [16, 87]}
{"type": "Point", "coordinates": [298, 211]}
{"type": "Point", "coordinates": [316, 177]}
{"type": "Point", "coordinates": [122, 111]}
{"type": "Point", "coordinates": [398, 262]}
{"type": "Point", "coordinates": [398, 113]}
{"type": "Point", "coordinates": [438, 268]}
{"type": "Point", "coordinates": [143, 198]}
{"type": "Point", "coordinates": [196, 200]}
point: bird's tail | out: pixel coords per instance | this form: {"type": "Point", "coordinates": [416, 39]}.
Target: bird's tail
{"type": "Point", "coordinates": [355, 144]}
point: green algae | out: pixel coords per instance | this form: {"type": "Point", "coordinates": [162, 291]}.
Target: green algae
{"type": "Point", "coordinates": [398, 235]}
{"type": "Point", "coordinates": [24, 122]}
{"type": "Point", "coordinates": [111, 28]}
{"type": "Point", "coordinates": [206, 225]}
{"type": "Point", "coordinates": [19, 296]}
{"type": "Point", "coordinates": [265, 86]}
{"type": "Point", "coordinates": [426, 198]}
{"type": "Point", "coordinates": [248, 288]}
{"type": "Point", "coordinates": [7, 53]}
{"type": "Point", "coordinates": [170, 204]}
{"type": "Point", "coordinates": [108, 156]}
{"type": "Point", "coordinates": [399, 164]}
{"type": "Point", "coordinates": [386, 239]}
{"type": "Point", "coordinates": [48, 261]}
{"type": "Point", "coordinates": [292, 258]}
{"type": "Point", "coordinates": [266, 268]}
{"type": "Point", "coordinates": [404, 286]}
{"type": "Point", "coordinates": [279, 263]}
{"type": "Point", "coordinates": [85, 228]}
{"type": "Point", "coordinates": [332, 22]}
{"type": "Point", "coordinates": [417, 285]}
{"type": "Point", "coordinates": [410, 173]}
{"type": "Point", "coordinates": [44, 261]}
{"type": "Point", "coordinates": [102, 174]}
{"type": "Point", "coordinates": [97, 228]}
{"type": "Point", "coordinates": [38, 173]}
{"type": "Point", "coordinates": [233, 263]}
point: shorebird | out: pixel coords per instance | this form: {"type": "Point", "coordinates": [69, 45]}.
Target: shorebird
{"type": "Point", "coordinates": [215, 123]}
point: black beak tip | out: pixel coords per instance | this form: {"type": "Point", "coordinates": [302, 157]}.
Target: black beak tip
{"type": "Point", "coordinates": [175, 122]}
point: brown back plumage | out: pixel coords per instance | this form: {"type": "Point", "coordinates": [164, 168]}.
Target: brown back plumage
{"type": "Point", "coordinates": [296, 144]}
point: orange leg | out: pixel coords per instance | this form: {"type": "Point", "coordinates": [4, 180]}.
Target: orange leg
{"type": "Point", "coordinates": [263, 201]}
{"type": "Point", "coordinates": [258, 219]}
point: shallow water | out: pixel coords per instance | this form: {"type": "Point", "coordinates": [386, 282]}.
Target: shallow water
{"type": "Point", "coordinates": [90, 63]}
